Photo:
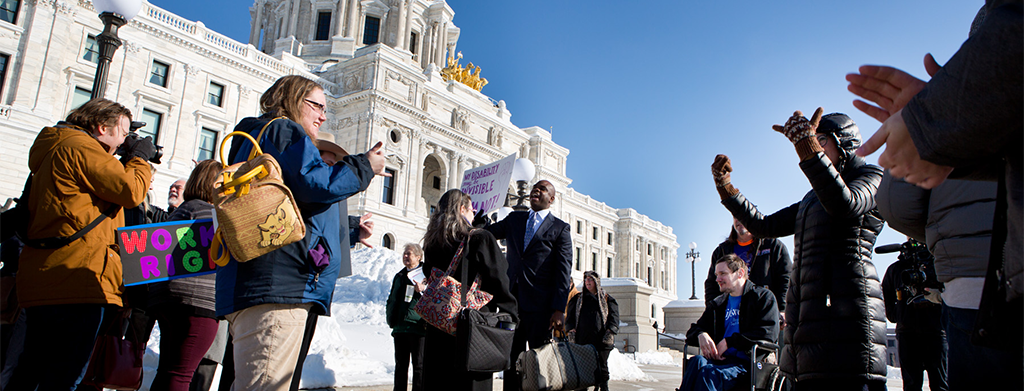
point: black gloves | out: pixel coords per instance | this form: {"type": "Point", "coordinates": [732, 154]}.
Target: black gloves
{"type": "Point", "coordinates": [481, 220]}
{"type": "Point", "coordinates": [138, 147]}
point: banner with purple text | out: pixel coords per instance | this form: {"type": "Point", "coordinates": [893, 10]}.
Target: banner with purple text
{"type": "Point", "coordinates": [488, 184]}
{"type": "Point", "coordinates": [166, 251]}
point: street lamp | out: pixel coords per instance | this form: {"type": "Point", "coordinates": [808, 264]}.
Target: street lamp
{"type": "Point", "coordinates": [693, 257]}
{"type": "Point", "coordinates": [114, 14]}
{"type": "Point", "coordinates": [522, 172]}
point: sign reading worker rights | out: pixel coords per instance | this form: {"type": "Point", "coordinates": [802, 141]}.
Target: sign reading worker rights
{"type": "Point", "coordinates": [488, 184]}
{"type": "Point", "coordinates": [166, 251]}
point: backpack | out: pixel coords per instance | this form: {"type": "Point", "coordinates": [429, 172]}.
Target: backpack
{"type": "Point", "coordinates": [14, 221]}
{"type": "Point", "coordinates": [255, 211]}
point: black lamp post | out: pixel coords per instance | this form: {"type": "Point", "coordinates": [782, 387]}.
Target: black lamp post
{"type": "Point", "coordinates": [522, 172]}
{"type": "Point", "coordinates": [114, 14]}
{"type": "Point", "coordinates": [693, 257]}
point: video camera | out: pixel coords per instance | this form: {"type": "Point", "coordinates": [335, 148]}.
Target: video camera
{"type": "Point", "coordinates": [133, 134]}
{"type": "Point", "coordinates": [920, 275]}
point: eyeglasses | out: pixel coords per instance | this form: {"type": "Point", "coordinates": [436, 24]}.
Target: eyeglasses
{"type": "Point", "coordinates": [822, 139]}
{"type": "Point", "coordinates": [318, 106]}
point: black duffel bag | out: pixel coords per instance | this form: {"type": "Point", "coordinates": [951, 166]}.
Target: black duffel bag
{"type": "Point", "coordinates": [484, 339]}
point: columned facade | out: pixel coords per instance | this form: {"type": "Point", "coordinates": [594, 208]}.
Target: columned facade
{"type": "Point", "coordinates": [193, 85]}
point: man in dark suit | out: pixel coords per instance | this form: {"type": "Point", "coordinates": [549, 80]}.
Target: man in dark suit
{"type": "Point", "coordinates": [539, 252]}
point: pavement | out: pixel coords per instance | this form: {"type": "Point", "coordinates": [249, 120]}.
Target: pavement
{"type": "Point", "coordinates": [666, 378]}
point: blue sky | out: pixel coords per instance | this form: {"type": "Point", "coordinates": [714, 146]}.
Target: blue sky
{"type": "Point", "coordinates": [644, 94]}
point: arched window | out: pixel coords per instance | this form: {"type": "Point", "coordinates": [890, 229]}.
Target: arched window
{"type": "Point", "coordinates": [388, 242]}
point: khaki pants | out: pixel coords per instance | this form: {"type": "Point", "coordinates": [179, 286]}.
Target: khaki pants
{"type": "Point", "coordinates": [267, 339]}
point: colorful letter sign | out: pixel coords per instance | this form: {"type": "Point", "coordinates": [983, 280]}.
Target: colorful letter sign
{"type": "Point", "coordinates": [165, 251]}
{"type": "Point", "coordinates": [488, 184]}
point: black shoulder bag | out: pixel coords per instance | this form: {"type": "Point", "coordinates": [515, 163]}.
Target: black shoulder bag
{"type": "Point", "coordinates": [484, 339]}
{"type": "Point", "coordinates": [15, 222]}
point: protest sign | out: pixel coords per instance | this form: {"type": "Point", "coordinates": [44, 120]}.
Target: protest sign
{"type": "Point", "coordinates": [165, 251]}
{"type": "Point", "coordinates": [488, 184]}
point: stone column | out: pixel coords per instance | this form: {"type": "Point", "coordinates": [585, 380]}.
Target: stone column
{"type": "Point", "coordinates": [453, 170]}
{"type": "Point", "coordinates": [362, 31]}
{"type": "Point", "coordinates": [353, 21]}
{"type": "Point", "coordinates": [339, 19]}
{"type": "Point", "coordinates": [461, 170]}
{"type": "Point", "coordinates": [400, 40]}
{"type": "Point", "coordinates": [418, 147]}
{"type": "Point", "coordinates": [294, 16]}
{"type": "Point", "coordinates": [407, 25]}
{"type": "Point", "coordinates": [442, 38]}
{"type": "Point", "coordinates": [257, 25]}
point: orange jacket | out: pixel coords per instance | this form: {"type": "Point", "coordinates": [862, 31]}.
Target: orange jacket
{"type": "Point", "coordinates": [75, 179]}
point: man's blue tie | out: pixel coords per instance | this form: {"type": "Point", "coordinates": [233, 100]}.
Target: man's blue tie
{"type": "Point", "coordinates": [530, 229]}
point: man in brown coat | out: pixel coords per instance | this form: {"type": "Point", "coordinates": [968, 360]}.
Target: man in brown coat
{"type": "Point", "coordinates": [70, 289]}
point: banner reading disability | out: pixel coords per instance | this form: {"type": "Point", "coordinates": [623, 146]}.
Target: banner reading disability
{"type": "Point", "coordinates": [166, 251]}
{"type": "Point", "coordinates": [488, 184]}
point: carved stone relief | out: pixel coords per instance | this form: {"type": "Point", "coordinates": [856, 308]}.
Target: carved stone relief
{"type": "Point", "coordinates": [494, 136]}
{"type": "Point", "coordinates": [409, 84]}
{"type": "Point", "coordinates": [340, 124]}
{"type": "Point", "coordinates": [460, 119]}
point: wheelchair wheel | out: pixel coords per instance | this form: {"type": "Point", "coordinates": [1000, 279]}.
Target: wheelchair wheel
{"type": "Point", "coordinates": [780, 384]}
{"type": "Point", "coordinates": [770, 382]}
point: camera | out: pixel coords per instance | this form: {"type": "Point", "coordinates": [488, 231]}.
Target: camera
{"type": "Point", "coordinates": [133, 134]}
{"type": "Point", "coordinates": [920, 275]}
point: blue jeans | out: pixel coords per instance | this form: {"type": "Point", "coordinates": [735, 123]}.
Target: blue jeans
{"type": "Point", "coordinates": [972, 367]}
{"type": "Point", "coordinates": [58, 345]}
{"type": "Point", "coordinates": [704, 375]}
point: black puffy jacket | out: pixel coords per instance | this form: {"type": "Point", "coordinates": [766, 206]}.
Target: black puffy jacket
{"type": "Point", "coordinates": [834, 308]}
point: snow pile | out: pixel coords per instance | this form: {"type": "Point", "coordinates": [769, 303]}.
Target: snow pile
{"type": "Point", "coordinates": [620, 367]}
{"type": "Point", "coordinates": [895, 373]}
{"type": "Point", "coordinates": [652, 357]}
{"type": "Point", "coordinates": [353, 347]}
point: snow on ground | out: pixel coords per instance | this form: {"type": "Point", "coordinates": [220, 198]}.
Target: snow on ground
{"type": "Point", "coordinates": [652, 357]}
{"type": "Point", "coordinates": [353, 347]}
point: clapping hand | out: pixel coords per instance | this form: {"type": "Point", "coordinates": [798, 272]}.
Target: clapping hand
{"type": "Point", "coordinates": [892, 89]}
{"type": "Point", "coordinates": [887, 87]}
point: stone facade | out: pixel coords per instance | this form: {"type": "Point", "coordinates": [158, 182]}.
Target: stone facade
{"type": "Point", "coordinates": [379, 62]}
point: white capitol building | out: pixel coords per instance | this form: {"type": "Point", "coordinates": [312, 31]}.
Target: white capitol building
{"type": "Point", "coordinates": [383, 66]}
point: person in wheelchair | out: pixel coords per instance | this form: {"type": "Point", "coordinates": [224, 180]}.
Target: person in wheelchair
{"type": "Point", "coordinates": [732, 323]}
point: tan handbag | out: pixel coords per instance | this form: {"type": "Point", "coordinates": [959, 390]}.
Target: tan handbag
{"type": "Point", "coordinates": [255, 212]}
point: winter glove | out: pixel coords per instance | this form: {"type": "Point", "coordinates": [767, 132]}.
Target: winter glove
{"type": "Point", "coordinates": [608, 339]}
{"type": "Point", "coordinates": [480, 220]}
{"type": "Point", "coordinates": [720, 170]}
{"type": "Point", "coordinates": [138, 147]}
{"type": "Point", "coordinates": [800, 132]}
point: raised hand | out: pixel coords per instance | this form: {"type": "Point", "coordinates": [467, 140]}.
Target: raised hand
{"type": "Point", "coordinates": [799, 127]}
{"type": "Point", "coordinates": [376, 156]}
{"type": "Point", "coordinates": [365, 229]}
{"type": "Point", "coordinates": [721, 169]}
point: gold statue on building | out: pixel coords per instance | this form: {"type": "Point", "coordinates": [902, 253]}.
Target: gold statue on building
{"type": "Point", "coordinates": [470, 75]}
